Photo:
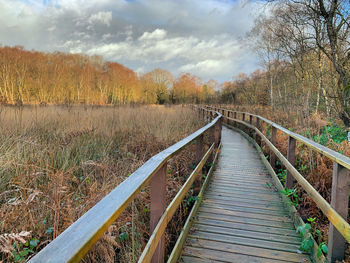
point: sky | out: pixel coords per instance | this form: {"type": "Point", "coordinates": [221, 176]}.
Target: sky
{"type": "Point", "coordinates": [201, 37]}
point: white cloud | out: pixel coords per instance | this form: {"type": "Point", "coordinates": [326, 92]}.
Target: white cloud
{"type": "Point", "coordinates": [156, 34]}
{"type": "Point", "coordinates": [202, 37]}
{"type": "Point", "coordinates": [220, 56]}
{"type": "Point", "coordinates": [101, 17]}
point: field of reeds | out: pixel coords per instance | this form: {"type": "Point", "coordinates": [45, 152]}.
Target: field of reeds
{"type": "Point", "coordinates": [56, 162]}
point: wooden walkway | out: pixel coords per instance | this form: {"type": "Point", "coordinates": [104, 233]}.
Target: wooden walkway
{"type": "Point", "coordinates": [241, 219]}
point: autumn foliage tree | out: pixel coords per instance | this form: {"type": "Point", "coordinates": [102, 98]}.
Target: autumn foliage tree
{"type": "Point", "coordinates": [35, 77]}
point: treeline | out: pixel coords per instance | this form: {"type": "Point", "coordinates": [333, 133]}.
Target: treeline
{"type": "Point", "coordinates": [29, 77]}
{"type": "Point", "coordinates": [304, 46]}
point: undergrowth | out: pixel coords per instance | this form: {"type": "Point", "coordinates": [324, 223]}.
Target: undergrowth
{"type": "Point", "coordinates": [57, 162]}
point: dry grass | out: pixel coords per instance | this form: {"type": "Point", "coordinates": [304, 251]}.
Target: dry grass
{"type": "Point", "coordinates": [57, 162]}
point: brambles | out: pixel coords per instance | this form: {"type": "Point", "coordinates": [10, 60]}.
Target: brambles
{"type": "Point", "coordinates": [307, 231]}
{"type": "Point", "coordinates": [322, 248]}
{"type": "Point", "coordinates": [292, 195]}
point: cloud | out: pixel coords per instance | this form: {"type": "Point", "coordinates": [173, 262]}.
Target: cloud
{"type": "Point", "coordinates": [202, 37]}
{"type": "Point", "coordinates": [102, 17]}
{"type": "Point", "coordinates": [156, 34]}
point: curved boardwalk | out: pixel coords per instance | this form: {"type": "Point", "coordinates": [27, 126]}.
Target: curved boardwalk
{"type": "Point", "coordinates": [241, 219]}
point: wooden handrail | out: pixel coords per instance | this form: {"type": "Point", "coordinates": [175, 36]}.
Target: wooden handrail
{"type": "Point", "coordinates": [76, 240]}
{"type": "Point", "coordinates": [337, 211]}
{"type": "Point", "coordinates": [331, 154]}
{"type": "Point", "coordinates": [171, 209]}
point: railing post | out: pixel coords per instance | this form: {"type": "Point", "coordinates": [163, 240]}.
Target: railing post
{"type": "Point", "coordinates": [290, 181]}
{"type": "Point", "coordinates": [243, 116]}
{"type": "Point", "coordinates": [199, 155]}
{"type": "Point", "coordinates": [250, 119]}
{"type": "Point", "coordinates": [229, 115]}
{"type": "Point", "coordinates": [235, 115]}
{"type": "Point", "coordinates": [273, 141]}
{"type": "Point", "coordinates": [340, 202]}
{"type": "Point", "coordinates": [258, 138]}
{"type": "Point", "coordinates": [217, 132]}
{"type": "Point", "coordinates": [158, 205]}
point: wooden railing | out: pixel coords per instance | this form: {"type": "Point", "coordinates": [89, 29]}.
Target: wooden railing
{"type": "Point", "coordinates": [337, 211]}
{"type": "Point", "coordinates": [76, 240]}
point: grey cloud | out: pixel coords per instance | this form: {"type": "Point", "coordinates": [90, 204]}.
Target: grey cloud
{"type": "Point", "coordinates": [201, 37]}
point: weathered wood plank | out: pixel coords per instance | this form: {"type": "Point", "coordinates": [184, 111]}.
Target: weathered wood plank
{"type": "Point", "coordinates": [283, 238]}
{"type": "Point", "coordinates": [248, 250]}
{"type": "Point", "coordinates": [190, 259]}
{"type": "Point", "coordinates": [246, 241]}
{"type": "Point", "coordinates": [222, 211]}
{"type": "Point", "coordinates": [245, 220]}
{"type": "Point", "coordinates": [241, 203]}
{"type": "Point", "coordinates": [250, 227]}
{"type": "Point", "coordinates": [212, 255]}
{"type": "Point", "coordinates": [248, 187]}
{"type": "Point", "coordinates": [234, 207]}
{"type": "Point", "coordinates": [241, 218]}
{"type": "Point", "coordinates": [244, 194]}
{"type": "Point", "coordinates": [234, 195]}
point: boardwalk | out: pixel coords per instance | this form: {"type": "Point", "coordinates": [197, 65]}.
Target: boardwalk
{"type": "Point", "coordinates": [241, 219]}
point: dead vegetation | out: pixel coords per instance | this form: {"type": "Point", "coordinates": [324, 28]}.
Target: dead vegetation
{"type": "Point", "coordinates": [57, 162]}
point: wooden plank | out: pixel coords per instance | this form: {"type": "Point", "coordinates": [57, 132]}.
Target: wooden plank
{"type": "Point", "coordinates": [223, 211]}
{"type": "Point", "coordinates": [243, 193]}
{"type": "Point", "coordinates": [212, 255]}
{"type": "Point", "coordinates": [262, 185]}
{"type": "Point", "coordinates": [190, 259]}
{"type": "Point", "coordinates": [248, 187]}
{"type": "Point", "coordinates": [240, 179]}
{"type": "Point", "coordinates": [234, 177]}
{"type": "Point", "coordinates": [240, 219]}
{"type": "Point", "coordinates": [238, 203]}
{"type": "Point", "coordinates": [239, 175]}
{"type": "Point", "coordinates": [248, 250]}
{"type": "Point", "coordinates": [291, 209]}
{"type": "Point", "coordinates": [234, 195]}
{"type": "Point", "coordinates": [250, 227]}
{"type": "Point", "coordinates": [339, 223]}
{"type": "Point", "coordinates": [246, 241]}
{"type": "Point", "coordinates": [237, 208]}
{"type": "Point", "coordinates": [246, 233]}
